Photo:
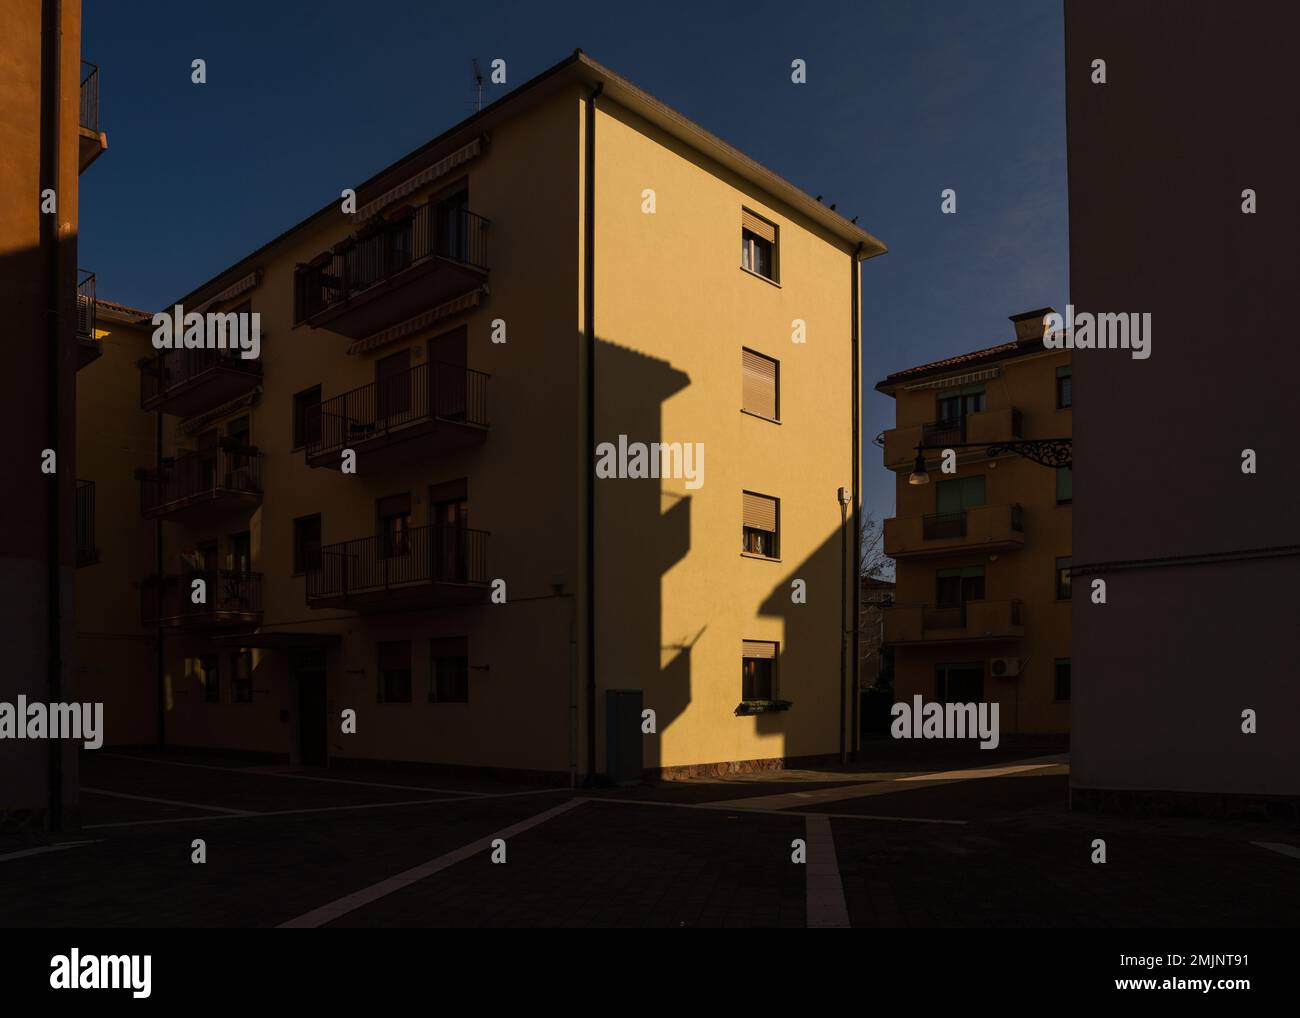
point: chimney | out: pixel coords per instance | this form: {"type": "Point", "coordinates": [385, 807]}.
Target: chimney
{"type": "Point", "coordinates": [1030, 325]}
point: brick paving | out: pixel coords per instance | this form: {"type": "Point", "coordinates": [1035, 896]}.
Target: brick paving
{"type": "Point", "coordinates": [649, 855]}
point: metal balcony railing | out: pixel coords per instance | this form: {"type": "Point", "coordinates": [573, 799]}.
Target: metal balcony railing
{"type": "Point", "coordinates": [230, 595]}
{"type": "Point", "coordinates": [427, 392]}
{"type": "Point", "coordinates": [944, 432]}
{"type": "Point", "coordinates": [228, 468]}
{"type": "Point", "coordinates": [89, 96]}
{"type": "Point", "coordinates": [170, 370]}
{"type": "Point", "coordinates": [87, 550]}
{"type": "Point", "coordinates": [433, 230]}
{"type": "Point", "coordinates": [943, 525]}
{"type": "Point", "coordinates": [410, 558]}
{"type": "Point", "coordinates": [86, 306]}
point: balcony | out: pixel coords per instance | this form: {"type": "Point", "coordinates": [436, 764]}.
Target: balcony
{"type": "Point", "coordinates": [413, 416]}
{"type": "Point", "coordinates": [416, 259]}
{"type": "Point", "coordinates": [87, 549]}
{"type": "Point", "coordinates": [92, 142]}
{"type": "Point", "coordinates": [187, 382]}
{"type": "Point", "coordinates": [202, 484]}
{"type": "Point", "coordinates": [232, 599]}
{"type": "Point", "coordinates": [425, 567]}
{"type": "Point", "coordinates": [954, 623]}
{"type": "Point", "coordinates": [984, 528]}
{"type": "Point", "coordinates": [984, 427]}
{"type": "Point", "coordinates": [88, 347]}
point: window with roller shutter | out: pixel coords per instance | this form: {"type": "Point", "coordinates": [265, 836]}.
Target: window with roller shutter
{"type": "Point", "coordinates": [760, 385]}
{"type": "Point", "coordinates": [760, 525]}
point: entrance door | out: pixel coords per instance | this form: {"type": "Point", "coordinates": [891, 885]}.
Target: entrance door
{"type": "Point", "coordinates": [623, 764]}
{"type": "Point", "coordinates": [309, 671]}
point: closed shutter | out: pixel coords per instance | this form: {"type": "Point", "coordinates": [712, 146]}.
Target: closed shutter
{"type": "Point", "coordinates": [759, 649]}
{"type": "Point", "coordinates": [760, 384]}
{"type": "Point", "coordinates": [759, 227]}
{"type": "Point", "coordinates": [760, 512]}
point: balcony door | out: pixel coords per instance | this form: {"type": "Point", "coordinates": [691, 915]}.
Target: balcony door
{"type": "Point", "coordinates": [453, 226]}
{"type": "Point", "coordinates": [447, 375]}
{"type": "Point", "coordinates": [238, 467]}
{"type": "Point", "coordinates": [953, 407]}
{"type": "Point", "coordinates": [449, 530]}
{"type": "Point", "coordinates": [394, 525]}
{"type": "Point", "coordinates": [393, 389]}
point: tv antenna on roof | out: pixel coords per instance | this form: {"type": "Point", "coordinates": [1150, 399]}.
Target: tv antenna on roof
{"type": "Point", "coordinates": [478, 84]}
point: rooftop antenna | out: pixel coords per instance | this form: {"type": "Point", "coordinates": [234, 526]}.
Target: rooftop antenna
{"type": "Point", "coordinates": [478, 84]}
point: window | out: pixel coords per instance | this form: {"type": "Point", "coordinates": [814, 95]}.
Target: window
{"type": "Point", "coordinates": [757, 245]}
{"type": "Point", "coordinates": [1063, 579]}
{"type": "Point", "coordinates": [1062, 690]}
{"type": "Point", "coordinates": [1064, 388]}
{"type": "Point", "coordinates": [239, 552]}
{"type": "Point", "coordinates": [759, 536]}
{"type": "Point", "coordinates": [959, 683]}
{"type": "Point", "coordinates": [959, 494]}
{"type": "Point", "coordinates": [758, 670]}
{"type": "Point", "coordinates": [394, 672]}
{"type": "Point", "coordinates": [306, 417]}
{"type": "Point", "coordinates": [954, 405]}
{"type": "Point", "coordinates": [306, 544]}
{"type": "Point", "coordinates": [760, 385]}
{"type": "Point", "coordinates": [210, 679]}
{"type": "Point", "coordinates": [448, 670]}
{"type": "Point", "coordinates": [394, 522]}
{"type": "Point", "coordinates": [241, 683]}
{"type": "Point", "coordinates": [1064, 485]}
{"type": "Point", "coordinates": [957, 586]}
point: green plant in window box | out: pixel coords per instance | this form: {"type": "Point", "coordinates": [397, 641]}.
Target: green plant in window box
{"type": "Point", "coordinates": [747, 707]}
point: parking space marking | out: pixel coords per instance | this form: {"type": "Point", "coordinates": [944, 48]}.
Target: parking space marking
{"type": "Point", "coordinates": [170, 802]}
{"type": "Point", "coordinates": [352, 902]}
{"type": "Point", "coordinates": [826, 906]}
{"type": "Point", "coordinates": [266, 814]}
{"type": "Point", "coordinates": [263, 772]}
{"type": "Point", "coordinates": [46, 848]}
{"type": "Point", "coordinates": [1281, 849]}
{"type": "Point", "coordinates": [839, 793]}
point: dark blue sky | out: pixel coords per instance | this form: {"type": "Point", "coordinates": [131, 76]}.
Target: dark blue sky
{"type": "Point", "coordinates": [903, 99]}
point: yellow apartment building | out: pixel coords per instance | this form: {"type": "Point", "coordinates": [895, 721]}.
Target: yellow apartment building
{"type": "Point", "coordinates": [428, 523]}
{"type": "Point", "coordinates": [982, 606]}
{"type": "Point", "coordinates": [49, 134]}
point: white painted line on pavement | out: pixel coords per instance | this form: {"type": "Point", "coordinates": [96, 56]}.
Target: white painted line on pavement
{"type": "Point", "coordinates": [1277, 846]}
{"type": "Point", "coordinates": [170, 802]}
{"type": "Point", "coordinates": [320, 809]}
{"type": "Point", "coordinates": [263, 772]}
{"type": "Point", "coordinates": [46, 848]}
{"type": "Point", "coordinates": [352, 902]}
{"type": "Point", "coordinates": [825, 894]}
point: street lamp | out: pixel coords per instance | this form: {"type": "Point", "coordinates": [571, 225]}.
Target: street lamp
{"type": "Point", "coordinates": [1049, 452]}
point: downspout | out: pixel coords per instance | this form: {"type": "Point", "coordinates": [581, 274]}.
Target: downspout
{"type": "Point", "coordinates": [589, 327]}
{"type": "Point", "coordinates": [856, 667]}
{"type": "Point", "coordinates": [845, 642]}
{"type": "Point", "coordinates": [51, 122]}
{"type": "Point", "coordinates": [159, 657]}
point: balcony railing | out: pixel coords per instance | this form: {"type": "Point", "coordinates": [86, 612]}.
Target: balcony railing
{"type": "Point", "coordinates": [944, 432]}
{"type": "Point", "coordinates": [954, 622]}
{"type": "Point", "coordinates": [184, 382]}
{"type": "Point", "coordinates": [228, 471]}
{"type": "Point", "coordinates": [230, 597]}
{"type": "Point", "coordinates": [87, 549]}
{"type": "Point", "coordinates": [409, 562]}
{"type": "Point", "coordinates": [943, 525]}
{"type": "Point", "coordinates": [432, 231]}
{"type": "Point", "coordinates": [987, 527]}
{"type": "Point", "coordinates": [438, 400]}
{"type": "Point", "coordinates": [89, 96]}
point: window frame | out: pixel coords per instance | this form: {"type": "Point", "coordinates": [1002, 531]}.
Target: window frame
{"type": "Point", "coordinates": [298, 566]}
{"type": "Point", "coordinates": [774, 673]}
{"type": "Point", "coordinates": [203, 678]}
{"type": "Point", "coordinates": [381, 673]}
{"type": "Point", "coordinates": [236, 682]}
{"type": "Point", "coordinates": [775, 535]}
{"type": "Point", "coordinates": [1065, 375]}
{"type": "Point", "coordinates": [1067, 585]}
{"type": "Point", "coordinates": [437, 659]}
{"type": "Point", "coordinates": [776, 386]}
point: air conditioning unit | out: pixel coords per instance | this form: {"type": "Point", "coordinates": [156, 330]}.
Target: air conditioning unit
{"type": "Point", "coordinates": [1004, 667]}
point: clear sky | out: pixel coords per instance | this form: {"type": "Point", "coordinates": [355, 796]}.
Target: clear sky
{"type": "Point", "coordinates": [903, 99]}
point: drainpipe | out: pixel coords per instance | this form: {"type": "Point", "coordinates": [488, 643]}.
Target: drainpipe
{"type": "Point", "coordinates": [845, 498]}
{"type": "Point", "coordinates": [51, 108]}
{"type": "Point", "coordinates": [589, 326]}
{"type": "Point", "coordinates": [159, 657]}
{"type": "Point", "coordinates": [856, 663]}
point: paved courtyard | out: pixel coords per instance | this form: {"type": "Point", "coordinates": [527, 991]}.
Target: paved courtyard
{"type": "Point", "coordinates": [907, 838]}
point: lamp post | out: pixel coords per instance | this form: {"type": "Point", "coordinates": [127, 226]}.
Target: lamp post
{"type": "Point", "coordinates": [1048, 452]}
